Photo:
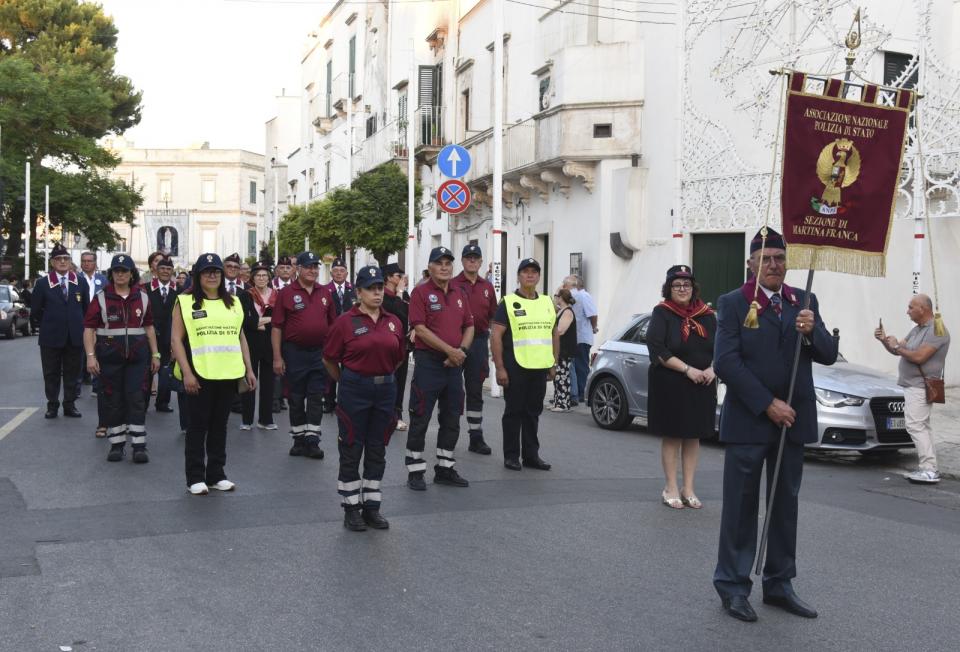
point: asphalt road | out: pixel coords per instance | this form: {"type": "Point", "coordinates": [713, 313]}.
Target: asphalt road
{"type": "Point", "coordinates": [100, 556]}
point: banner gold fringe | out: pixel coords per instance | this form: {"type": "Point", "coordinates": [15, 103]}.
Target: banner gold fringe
{"type": "Point", "coordinates": [834, 259]}
{"type": "Point", "coordinates": [752, 320]}
{"type": "Point", "coordinates": [938, 328]}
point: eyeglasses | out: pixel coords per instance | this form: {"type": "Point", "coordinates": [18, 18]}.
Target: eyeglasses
{"type": "Point", "coordinates": [212, 271]}
{"type": "Point", "coordinates": [769, 261]}
{"type": "Point", "coordinates": [683, 285]}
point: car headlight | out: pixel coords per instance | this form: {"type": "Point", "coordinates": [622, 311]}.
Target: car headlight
{"type": "Point", "coordinates": [836, 399]}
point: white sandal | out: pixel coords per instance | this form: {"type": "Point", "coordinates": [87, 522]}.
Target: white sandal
{"type": "Point", "coordinates": [691, 501]}
{"type": "Point", "coordinates": [673, 503]}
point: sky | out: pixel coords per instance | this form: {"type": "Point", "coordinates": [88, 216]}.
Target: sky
{"type": "Point", "coordinates": [210, 69]}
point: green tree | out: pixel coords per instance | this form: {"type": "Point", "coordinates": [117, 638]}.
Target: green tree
{"type": "Point", "coordinates": [59, 94]}
{"type": "Point", "coordinates": [379, 214]}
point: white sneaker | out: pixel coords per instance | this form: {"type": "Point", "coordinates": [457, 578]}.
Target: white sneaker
{"type": "Point", "coordinates": [401, 424]}
{"type": "Point", "coordinates": [199, 489]}
{"type": "Point", "coordinates": [269, 426]}
{"type": "Point", "coordinates": [245, 426]}
{"type": "Point", "coordinates": [923, 476]}
{"type": "Point", "coordinates": [224, 485]}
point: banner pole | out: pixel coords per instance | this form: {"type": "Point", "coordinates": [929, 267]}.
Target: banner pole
{"type": "Point", "coordinates": [772, 494]}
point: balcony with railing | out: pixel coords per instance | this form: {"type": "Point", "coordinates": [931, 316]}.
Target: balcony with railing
{"type": "Point", "coordinates": [428, 127]}
{"type": "Point", "coordinates": [386, 144]}
{"type": "Point", "coordinates": [519, 150]}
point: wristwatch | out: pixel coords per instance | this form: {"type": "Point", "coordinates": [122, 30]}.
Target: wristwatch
{"type": "Point", "coordinates": [156, 355]}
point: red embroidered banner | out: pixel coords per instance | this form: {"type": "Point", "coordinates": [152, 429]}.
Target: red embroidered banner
{"type": "Point", "coordinates": [841, 167]}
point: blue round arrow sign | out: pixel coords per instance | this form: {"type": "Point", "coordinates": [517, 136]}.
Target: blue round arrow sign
{"type": "Point", "coordinates": [454, 161]}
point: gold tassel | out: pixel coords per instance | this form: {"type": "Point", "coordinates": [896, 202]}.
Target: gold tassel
{"type": "Point", "coordinates": [938, 328]}
{"type": "Point", "coordinates": [752, 321]}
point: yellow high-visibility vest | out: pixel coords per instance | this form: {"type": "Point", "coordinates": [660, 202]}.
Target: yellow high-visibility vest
{"type": "Point", "coordinates": [531, 326]}
{"type": "Point", "coordinates": [213, 332]}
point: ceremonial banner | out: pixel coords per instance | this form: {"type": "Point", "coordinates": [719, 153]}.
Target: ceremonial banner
{"type": "Point", "coordinates": [841, 168]}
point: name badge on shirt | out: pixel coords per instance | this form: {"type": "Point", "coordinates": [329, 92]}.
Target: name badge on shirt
{"type": "Point", "coordinates": [199, 314]}
{"type": "Point", "coordinates": [519, 313]}
{"type": "Point", "coordinates": [435, 307]}
{"type": "Point", "coordinates": [112, 318]}
{"type": "Point", "coordinates": [299, 306]}
{"type": "Point", "coordinates": [363, 330]}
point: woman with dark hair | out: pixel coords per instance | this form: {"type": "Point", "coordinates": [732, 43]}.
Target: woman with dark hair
{"type": "Point", "coordinates": [682, 398]}
{"type": "Point", "coordinates": [258, 302]}
{"type": "Point", "coordinates": [121, 348]}
{"type": "Point", "coordinates": [212, 357]}
{"type": "Point", "coordinates": [567, 330]}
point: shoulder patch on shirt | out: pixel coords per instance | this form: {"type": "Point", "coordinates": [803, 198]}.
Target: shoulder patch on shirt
{"type": "Point", "coordinates": [391, 326]}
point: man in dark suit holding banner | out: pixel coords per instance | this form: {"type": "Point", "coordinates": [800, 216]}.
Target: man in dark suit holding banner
{"type": "Point", "coordinates": [756, 363]}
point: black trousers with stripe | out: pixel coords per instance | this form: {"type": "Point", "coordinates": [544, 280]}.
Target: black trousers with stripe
{"type": "Point", "coordinates": [476, 368]}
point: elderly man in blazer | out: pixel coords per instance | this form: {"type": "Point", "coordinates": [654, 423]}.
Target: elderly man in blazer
{"type": "Point", "coordinates": [755, 364]}
{"type": "Point", "coordinates": [59, 302]}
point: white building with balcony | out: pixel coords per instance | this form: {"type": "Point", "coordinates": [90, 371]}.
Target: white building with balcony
{"type": "Point", "coordinates": [195, 200]}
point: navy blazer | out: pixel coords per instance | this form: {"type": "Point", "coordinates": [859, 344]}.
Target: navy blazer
{"type": "Point", "coordinates": [349, 296]}
{"type": "Point", "coordinates": [755, 364]}
{"type": "Point", "coordinates": [60, 319]}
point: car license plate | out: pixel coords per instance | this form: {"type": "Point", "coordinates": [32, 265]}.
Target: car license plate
{"type": "Point", "coordinates": [896, 423]}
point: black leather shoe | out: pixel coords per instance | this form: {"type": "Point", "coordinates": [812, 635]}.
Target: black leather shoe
{"type": "Point", "coordinates": [790, 602]}
{"type": "Point", "coordinates": [444, 475]}
{"type": "Point", "coordinates": [513, 465]}
{"type": "Point", "coordinates": [311, 448]}
{"type": "Point", "coordinates": [140, 455]}
{"type": "Point", "coordinates": [51, 412]}
{"type": "Point", "coordinates": [374, 519]}
{"type": "Point", "coordinates": [353, 521]}
{"type": "Point", "coordinates": [415, 481]}
{"type": "Point", "coordinates": [71, 411]}
{"type": "Point", "coordinates": [477, 445]}
{"type": "Point", "coordinates": [536, 463]}
{"type": "Point", "coordinates": [739, 607]}
{"type": "Point", "coordinates": [116, 453]}
{"type": "Point", "coordinates": [164, 408]}
{"type": "Point", "coordinates": [298, 447]}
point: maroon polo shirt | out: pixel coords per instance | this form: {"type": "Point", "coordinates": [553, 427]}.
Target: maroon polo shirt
{"type": "Point", "coordinates": [305, 317]}
{"type": "Point", "coordinates": [121, 313]}
{"type": "Point", "coordinates": [365, 347]}
{"type": "Point", "coordinates": [445, 314]}
{"type": "Point", "coordinates": [483, 300]}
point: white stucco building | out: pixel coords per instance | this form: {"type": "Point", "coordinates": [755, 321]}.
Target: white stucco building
{"type": "Point", "coordinates": [635, 136]}
{"type": "Point", "coordinates": [195, 200]}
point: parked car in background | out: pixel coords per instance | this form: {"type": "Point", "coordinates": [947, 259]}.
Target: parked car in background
{"type": "Point", "coordinates": [14, 313]}
{"type": "Point", "coordinates": [858, 409]}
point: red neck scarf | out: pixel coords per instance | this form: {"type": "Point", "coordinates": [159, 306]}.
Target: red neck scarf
{"type": "Point", "coordinates": [689, 313]}
{"type": "Point", "coordinates": [262, 304]}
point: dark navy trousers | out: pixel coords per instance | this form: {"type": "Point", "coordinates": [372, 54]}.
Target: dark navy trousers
{"type": "Point", "coordinates": [306, 380]}
{"type": "Point", "coordinates": [433, 384]}
{"type": "Point", "coordinates": [742, 472]}
{"type": "Point", "coordinates": [366, 418]}
{"type": "Point", "coordinates": [476, 368]}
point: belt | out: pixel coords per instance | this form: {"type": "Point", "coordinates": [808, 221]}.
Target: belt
{"type": "Point", "coordinates": [376, 380]}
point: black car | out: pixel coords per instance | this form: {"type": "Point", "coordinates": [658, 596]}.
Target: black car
{"type": "Point", "coordinates": [14, 313]}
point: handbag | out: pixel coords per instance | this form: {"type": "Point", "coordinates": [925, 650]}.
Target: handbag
{"type": "Point", "coordinates": [933, 387]}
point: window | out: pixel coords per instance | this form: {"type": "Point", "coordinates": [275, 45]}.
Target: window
{"type": "Point", "coordinates": [352, 69]}
{"type": "Point", "coordinates": [252, 242]}
{"type": "Point", "coordinates": [165, 190]}
{"type": "Point", "coordinates": [371, 125]}
{"type": "Point", "coordinates": [253, 192]}
{"type": "Point", "coordinates": [430, 88]}
{"type": "Point", "coordinates": [894, 65]}
{"type": "Point", "coordinates": [636, 333]}
{"type": "Point", "coordinates": [326, 175]}
{"type": "Point", "coordinates": [208, 191]}
{"type": "Point", "coordinates": [208, 239]}
{"type": "Point", "coordinates": [329, 106]}
{"type": "Point", "coordinates": [603, 131]}
{"type": "Point", "coordinates": [544, 101]}
{"type": "Point", "coordinates": [466, 109]}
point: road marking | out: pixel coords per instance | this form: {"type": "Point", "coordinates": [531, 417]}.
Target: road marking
{"type": "Point", "coordinates": [9, 426]}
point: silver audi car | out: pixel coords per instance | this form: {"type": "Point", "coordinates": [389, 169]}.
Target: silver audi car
{"type": "Point", "coordinates": [858, 409]}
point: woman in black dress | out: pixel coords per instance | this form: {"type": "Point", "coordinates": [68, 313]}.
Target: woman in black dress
{"type": "Point", "coordinates": [682, 392]}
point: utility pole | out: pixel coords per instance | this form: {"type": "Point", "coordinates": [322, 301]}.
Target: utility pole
{"type": "Point", "coordinates": [411, 170]}
{"type": "Point", "coordinates": [497, 161]}
{"type": "Point", "coordinates": [26, 225]}
{"type": "Point", "coordinates": [276, 216]}
{"type": "Point", "coordinates": [46, 227]}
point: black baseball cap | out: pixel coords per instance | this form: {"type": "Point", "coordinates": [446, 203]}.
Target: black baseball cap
{"type": "Point", "coordinates": [440, 252]}
{"type": "Point", "coordinates": [208, 261]}
{"type": "Point", "coordinates": [391, 269]}
{"type": "Point", "coordinates": [369, 275]}
{"type": "Point", "coordinates": [528, 262]}
{"type": "Point", "coordinates": [122, 261]}
{"type": "Point", "coordinates": [471, 250]}
{"type": "Point", "coordinates": [307, 258]}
